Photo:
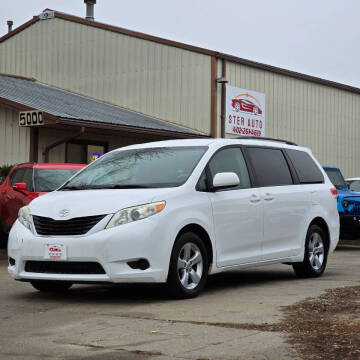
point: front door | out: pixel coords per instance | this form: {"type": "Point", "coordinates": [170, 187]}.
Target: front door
{"type": "Point", "coordinates": [13, 198]}
{"type": "Point", "coordinates": [237, 212]}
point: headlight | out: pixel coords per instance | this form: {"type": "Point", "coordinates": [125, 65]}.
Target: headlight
{"type": "Point", "coordinates": [135, 213]}
{"type": "Point", "coordinates": [25, 217]}
{"type": "Point", "coordinates": [345, 203]}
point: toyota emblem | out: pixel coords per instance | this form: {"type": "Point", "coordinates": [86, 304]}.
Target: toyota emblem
{"type": "Point", "coordinates": [64, 212]}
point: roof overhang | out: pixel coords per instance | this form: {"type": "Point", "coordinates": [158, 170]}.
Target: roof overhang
{"type": "Point", "coordinates": [22, 94]}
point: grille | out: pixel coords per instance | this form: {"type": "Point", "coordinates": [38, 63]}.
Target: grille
{"type": "Point", "coordinates": [354, 209]}
{"type": "Point", "coordinates": [64, 267]}
{"type": "Point", "coordinates": [76, 226]}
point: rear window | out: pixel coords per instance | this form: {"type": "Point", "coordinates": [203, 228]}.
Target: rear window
{"type": "Point", "coordinates": [305, 167]}
{"type": "Point", "coordinates": [270, 166]}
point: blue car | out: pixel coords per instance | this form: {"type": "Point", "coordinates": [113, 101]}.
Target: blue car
{"type": "Point", "coordinates": [348, 204]}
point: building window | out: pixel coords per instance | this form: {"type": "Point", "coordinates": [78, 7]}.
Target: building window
{"type": "Point", "coordinates": [84, 152]}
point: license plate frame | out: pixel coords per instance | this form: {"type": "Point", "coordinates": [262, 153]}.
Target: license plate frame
{"type": "Point", "coordinates": [55, 252]}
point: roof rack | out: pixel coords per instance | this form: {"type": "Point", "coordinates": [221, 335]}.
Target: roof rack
{"type": "Point", "coordinates": [266, 139]}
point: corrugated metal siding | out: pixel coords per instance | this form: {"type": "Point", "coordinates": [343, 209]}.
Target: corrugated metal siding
{"type": "Point", "coordinates": [14, 141]}
{"type": "Point", "coordinates": [323, 118]}
{"type": "Point", "coordinates": [154, 79]}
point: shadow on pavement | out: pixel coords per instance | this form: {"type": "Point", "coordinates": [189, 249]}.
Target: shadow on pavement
{"type": "Point", "coordinates": [348, 248]}
{"type": "Point", "coordinates": [148, 293]}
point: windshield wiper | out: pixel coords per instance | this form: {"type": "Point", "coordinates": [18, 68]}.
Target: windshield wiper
{"type": "Point", "coordinates": [80, 187]}
{"type": "Point", "coordinates": [128, 186]}
{"type": "Point", "coordinates": [97, 187]}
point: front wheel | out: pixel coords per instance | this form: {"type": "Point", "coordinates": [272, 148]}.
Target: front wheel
{"type": "Point", "coordinates": [188, 267]}
{"type": "Point", "coordinates": [51, 286]}
{"type": "Point", "coordinates": [315, 256]}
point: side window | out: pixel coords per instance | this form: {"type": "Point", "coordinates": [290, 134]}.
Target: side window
{"type": "Point", "coordinates": [202, 185]}
{"type": "Point", "coordinates": [270, 166]}
{"type": "Point", "coordinates": [230, 160]}
{"type": "Point", "coordinates": [17, 176]}
{"type": "Point", "coordinates": [28, 179]}
{"type": "Point", "coordinates": [306, 169]}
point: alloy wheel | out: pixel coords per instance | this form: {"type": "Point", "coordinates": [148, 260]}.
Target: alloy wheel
{"type": "Point", "coordinates": [190, 266]}
{"type": "Point", "coordinates": [316, 251]}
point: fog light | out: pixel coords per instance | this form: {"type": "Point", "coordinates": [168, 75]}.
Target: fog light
{"type": "Point", "coordinates": [12, 261]}
{"type": "Point", "coordinates": [141, 264]}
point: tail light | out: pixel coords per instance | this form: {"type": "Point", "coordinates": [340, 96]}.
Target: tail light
{"type": "Point", "coordinates": [334, 193]}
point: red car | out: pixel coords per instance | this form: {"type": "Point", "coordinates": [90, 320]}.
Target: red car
{"type": "Point", "coordinates": [24, 183]}
{"type": "Point", "coordinates": [246, 105]}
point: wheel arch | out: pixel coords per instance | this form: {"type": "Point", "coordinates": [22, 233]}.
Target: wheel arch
{"type": "Point", "coordinates": [203, 234]}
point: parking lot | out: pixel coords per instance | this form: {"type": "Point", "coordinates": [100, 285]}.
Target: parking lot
{"type": "Point", "coordinates": [227, 321]}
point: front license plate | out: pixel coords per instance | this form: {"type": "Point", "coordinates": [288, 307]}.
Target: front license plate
{"type": "Point", "coordinates": [55, 252]}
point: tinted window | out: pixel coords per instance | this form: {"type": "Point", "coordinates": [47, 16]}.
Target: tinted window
{"type": "Point", "coordinates": [230, 160]}
{"type": "Point", "coordinates": [202, 183]}
{"type": "Point", "coordinates": [28, 179]}
{"type": "Point", "coordinates": [306, 169]}
{"type": "Point", "coordinates": [270, 166]}
{"type": "Point", "coordinates": [17, 176]}
{"type": "Point", "coordinates": [336, 178]}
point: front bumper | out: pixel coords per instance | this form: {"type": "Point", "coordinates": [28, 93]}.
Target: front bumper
{"type": "Point", "coordinates": [111, 248]}
{"type": "Point", "coordinates": [349, 226]}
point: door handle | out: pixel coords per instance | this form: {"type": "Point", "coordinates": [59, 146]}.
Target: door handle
{"type": "Point", "coordinates": [255, 199]}
{"type": "Point", "coordinates": [268, 197]}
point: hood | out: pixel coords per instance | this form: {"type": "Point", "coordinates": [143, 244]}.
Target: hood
{"type": "Point", "coordinates": [348, 193]}
{"type": "Point", "coordinates": [93, 202]}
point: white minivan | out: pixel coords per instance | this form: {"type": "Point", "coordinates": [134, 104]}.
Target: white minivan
{"type": "Point", "coordinates": [176, 211]}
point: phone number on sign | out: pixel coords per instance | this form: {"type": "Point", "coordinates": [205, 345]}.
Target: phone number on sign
{"type": "Point", "coordinates": [245, 131]}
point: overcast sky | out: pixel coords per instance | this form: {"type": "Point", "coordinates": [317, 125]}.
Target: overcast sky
{"type": "Point", "coordinates": [315, 37]}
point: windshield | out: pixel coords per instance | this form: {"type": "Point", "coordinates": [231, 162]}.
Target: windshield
{"type": "Point", "coordinates": [336, 178]}
{"type": "Point", "coordinates": [51, 179]}
{"type": "Point", "coordinates": [140, 168]}
{"type": "Point", "coordinates": [354, 185]}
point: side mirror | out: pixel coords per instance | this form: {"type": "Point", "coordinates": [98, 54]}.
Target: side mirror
{"type": "Point", "coordinates": [225, 179]}
{"type": "Point", "coordinates": [19, 187]}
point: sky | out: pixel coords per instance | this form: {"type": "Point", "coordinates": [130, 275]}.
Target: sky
{"type": "Point", "coordinates": [314, 37]}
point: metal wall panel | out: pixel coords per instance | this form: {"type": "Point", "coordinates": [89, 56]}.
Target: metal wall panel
{"type": "Point", "coordinates": [326, 119]}
{"type": "Point", "coordinates": [14, 141]}
{"type": "Point", "coordinates": [154, 79]}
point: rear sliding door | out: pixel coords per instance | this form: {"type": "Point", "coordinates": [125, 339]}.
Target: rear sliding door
{"type": "Point", "coordinates": [285, 204]}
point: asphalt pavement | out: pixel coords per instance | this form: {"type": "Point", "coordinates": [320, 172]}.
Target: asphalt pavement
{"type": "Point", "coordinates": [141, 322]}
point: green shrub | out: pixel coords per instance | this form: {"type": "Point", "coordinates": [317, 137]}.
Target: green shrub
{"type": "Point", "coordinates": [4, 171]}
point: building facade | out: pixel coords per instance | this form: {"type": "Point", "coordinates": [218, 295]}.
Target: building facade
{"type": "Point", "coordinates": [164, 80]}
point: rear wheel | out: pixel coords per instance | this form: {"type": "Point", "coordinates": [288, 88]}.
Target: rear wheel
{"type": "Point", "coordinates": [51, 286]}
{"type": "Point", "coordinates": [188, 267]}
{"type": "Point", "coordinates": [315, 256]}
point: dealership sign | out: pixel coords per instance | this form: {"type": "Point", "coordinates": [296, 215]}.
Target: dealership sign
{"type": "Point", "coordinates": [245, 112]}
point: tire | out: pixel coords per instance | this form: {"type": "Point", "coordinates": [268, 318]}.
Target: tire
{"type": "Point", "coordinates": [189, 267]}
{"type": "Point", "coordinates": [315, 254]}
{"type": "Point", "coordinates": [51, 286]}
